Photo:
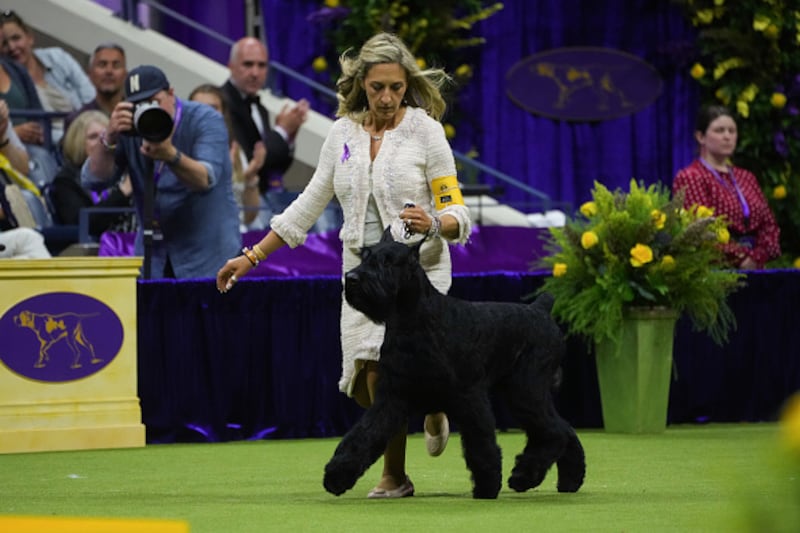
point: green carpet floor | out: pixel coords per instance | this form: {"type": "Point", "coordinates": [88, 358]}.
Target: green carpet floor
{"type": "Point", "coordinates": [690, 478]}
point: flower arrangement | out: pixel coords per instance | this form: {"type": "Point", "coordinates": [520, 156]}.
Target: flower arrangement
{"type": "Point", "coordinates": [639, 248]}
{"type": "Point", "coordinates": [747, 58]}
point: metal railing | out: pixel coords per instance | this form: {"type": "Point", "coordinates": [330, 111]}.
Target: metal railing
{"type": "Point", "coordinates": [129, 12]}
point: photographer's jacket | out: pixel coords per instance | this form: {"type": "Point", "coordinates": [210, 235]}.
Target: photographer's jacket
{"type": "Point", "coordinates": [198, 227]}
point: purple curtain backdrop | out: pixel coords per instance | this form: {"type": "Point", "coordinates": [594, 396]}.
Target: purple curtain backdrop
{"type": "Point", "coordinates": [559, 158]}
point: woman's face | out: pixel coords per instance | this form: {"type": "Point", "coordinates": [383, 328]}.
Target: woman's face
{"type": "Point", "coordinates": [385, 85]}
{"type": "Point", "coordinates": [17, 44]}
{"type": "Point", "coordinates": [719, 139]}
{"type": "Point", "coordinates": [208, 99]}
{"type": "Point", "coordinates": [93, 132]}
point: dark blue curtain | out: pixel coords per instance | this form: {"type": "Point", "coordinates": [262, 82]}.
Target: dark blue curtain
{"type": "Point", "coordinates": [560, 158]}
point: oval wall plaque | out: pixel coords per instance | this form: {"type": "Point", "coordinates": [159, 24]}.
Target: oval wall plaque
{"type": "Point", "coordinates": [583, 84]}
{"type": "Point", "coordinates": [59, 336]}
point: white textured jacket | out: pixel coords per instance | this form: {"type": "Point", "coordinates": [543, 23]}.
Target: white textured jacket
{"type": "Point", "coordinates": [412, 154]}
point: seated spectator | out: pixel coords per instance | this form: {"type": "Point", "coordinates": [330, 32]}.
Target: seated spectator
{"type": "Point", "coordinates": [67, 194]}
{"type": "Point", "coordinates": [712, 181]}
{"type": "Point", "coordinates": [19, 93]}
{"type": "Point", "coordinates": [11, 146]}
{"type": "Point", "coordinates": [107, 71]}
{"type": "Point", "coordinates": [22, 243]}
{"type": "Point", "coordinates": [245, 173]}
{"type": "Point", "coordinates": [59, 79]}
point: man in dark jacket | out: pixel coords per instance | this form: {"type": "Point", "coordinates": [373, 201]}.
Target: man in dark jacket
{"type": "Point", "coordinates": [248, 67]}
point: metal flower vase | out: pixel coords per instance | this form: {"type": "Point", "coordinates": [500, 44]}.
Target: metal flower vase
{"type": "Point", "coordinates": [634, 372]}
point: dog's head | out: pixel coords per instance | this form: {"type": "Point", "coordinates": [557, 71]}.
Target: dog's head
{"type": "Point", "coordinates": [24, 319]}
{"type": "Point", "coordinates": [389, 276]}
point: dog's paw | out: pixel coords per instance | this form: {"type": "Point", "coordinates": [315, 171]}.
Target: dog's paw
{"type": "Point", "coordinates": [334, 486]}
{"type": "Point", "coordinates": [339, 478]}
{"type": "Point", "coordinates": [521, 481]}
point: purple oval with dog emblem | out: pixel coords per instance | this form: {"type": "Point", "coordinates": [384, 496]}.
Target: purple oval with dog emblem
{"type": "Point", "coordinates": [59, 336]}
{"type": "Point", "coordinates": [583, 84]}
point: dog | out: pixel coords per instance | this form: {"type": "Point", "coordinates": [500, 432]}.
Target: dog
{"type": "Point", "coordinates": [50, 329]}
{"type": "Point", "coordinates": [444, 354]}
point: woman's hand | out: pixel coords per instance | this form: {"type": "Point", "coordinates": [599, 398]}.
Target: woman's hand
{"type": "Point", "coordinates": [416, 220]}
{"type": "Point", "coordinates": [231, 272]}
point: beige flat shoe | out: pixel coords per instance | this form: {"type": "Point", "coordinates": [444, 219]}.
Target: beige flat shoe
{"type": "Point", "coordinates": [437, 444]}
{"type": "Point", "coordinates": [403, 491]}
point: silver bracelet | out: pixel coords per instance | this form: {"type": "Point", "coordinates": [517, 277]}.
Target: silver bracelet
{"type": "Point", "coordinates": [436, 228]}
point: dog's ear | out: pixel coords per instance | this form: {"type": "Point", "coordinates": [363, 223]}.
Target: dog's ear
{"type": "Point", "coordinates": [387, 235]}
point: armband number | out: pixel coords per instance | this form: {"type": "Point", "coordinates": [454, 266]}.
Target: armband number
{"type": "Point", "coordinates": [446, 192]}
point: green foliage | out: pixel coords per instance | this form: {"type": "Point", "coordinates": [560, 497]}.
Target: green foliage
{"type": "Point", "coordinates": [439, 33]}
{"type": "Point", "coordinates": [639, 248]}
{"type": "Point", "coordinates": [748, 58]}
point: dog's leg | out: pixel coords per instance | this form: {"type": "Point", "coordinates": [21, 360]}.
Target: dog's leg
{"type": "Point", "coordinates": [476, 423]}
{"type": "Point", "coordinates": [571, 465]}
{"type": "Point", "coordinates": [364, 444]}
{"type": "Point", "coordinates": [550, 438]}
{"type": "Point", "coordinates": [81, 339]}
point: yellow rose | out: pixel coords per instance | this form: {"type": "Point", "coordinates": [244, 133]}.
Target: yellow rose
{"type": "Point", "coordinates": [705, 16]}
{"type": "Point", "coordinates": [659, 218]}
{"type": "Point", "coordinates": [723, 235]}
{"type": "Point", "coordinates": [779, 192]}
{"type": "Point", "coordinates": [559, 269]}
{"type": "Point", "coordinates": [589, 209]}
{"type": "Point", "coordinates": [796, 263]}
{"type": "Point", "coordinates": [697, 71]}
{"type": "Point", "coordinates": [319, 64]}
{"type": "Point", "coordinates": [421, 63]}
{"type": "Point", "coordinates": [719, 3]}
{"type": "Point", "coordinates": [760, 22]}
{"type": "Point", "coordinates": [790, 424]}
{"type": "Point", "coordinates": [668, 263]}
{"type": "Point", "coordinates": [331, 3]}
{"type": "Point", "coordinates": [743, 109]}
{"type": "Point", "coordinates": [589, 239]}
{"type": "Point", "coordinates": [641, 254]}
{"type": "Point", "coordinates": [449, 131]}
{"type": "Point", "coordinates": [704, 212]}
{"type": "Point", "coordinates": [722, 96]}
{"type": "Point", "coordinates": [464, 71]}
{"type": "Point", "coordinates": [778, 100]}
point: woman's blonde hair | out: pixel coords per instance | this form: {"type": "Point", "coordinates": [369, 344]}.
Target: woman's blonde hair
{"type": "Point", "coordinates": [424, 86]}
{"type": "Point", "coordinates": [74, 146]}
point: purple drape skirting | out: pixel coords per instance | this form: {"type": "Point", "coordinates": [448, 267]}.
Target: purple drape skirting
{"type": "Point", "coordinates": [263, 360]}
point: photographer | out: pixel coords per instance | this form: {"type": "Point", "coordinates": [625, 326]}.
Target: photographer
{"type": "Point", "coordinates": [179, 150]}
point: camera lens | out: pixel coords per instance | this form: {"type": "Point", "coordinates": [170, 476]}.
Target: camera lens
{"type": "Point", "coordinates": [152, 122]}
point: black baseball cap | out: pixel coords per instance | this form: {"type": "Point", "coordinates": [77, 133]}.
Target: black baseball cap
{"type": "Point", "coordinates": [143, 82]}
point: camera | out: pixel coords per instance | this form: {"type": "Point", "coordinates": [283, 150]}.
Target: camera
{"type": "Point", "coordinates": [151, 122]}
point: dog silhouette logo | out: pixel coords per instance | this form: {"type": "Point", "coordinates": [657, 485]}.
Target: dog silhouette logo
{"type": "Point", "coordinates": [583, 84]}
{"type": "Point", "coordinates": [59, 337]}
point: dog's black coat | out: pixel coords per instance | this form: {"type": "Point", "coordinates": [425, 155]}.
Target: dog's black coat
{"type": "Point", "coordinates": [444, 354]}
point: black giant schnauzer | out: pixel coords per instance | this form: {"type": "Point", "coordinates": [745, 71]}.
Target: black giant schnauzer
{"type": "Point", "coordinates": [444, 354]}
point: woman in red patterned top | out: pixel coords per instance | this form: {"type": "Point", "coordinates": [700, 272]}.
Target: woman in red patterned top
{"type": "Point", "coordinates": [731, 191]}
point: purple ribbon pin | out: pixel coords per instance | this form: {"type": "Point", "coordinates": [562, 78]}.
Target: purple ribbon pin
{"type": "Point", "coordinates": [345, 153]}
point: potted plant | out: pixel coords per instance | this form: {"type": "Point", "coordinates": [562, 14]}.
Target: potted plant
{"type": "Point", "coordinates": [624, 270]}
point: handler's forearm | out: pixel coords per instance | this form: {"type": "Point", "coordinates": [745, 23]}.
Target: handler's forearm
{"type": "Point", "coordinates": [449, 228]}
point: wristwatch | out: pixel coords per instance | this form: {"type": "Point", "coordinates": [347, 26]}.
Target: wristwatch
{"type": "Point", "coordinates": [175, 158]}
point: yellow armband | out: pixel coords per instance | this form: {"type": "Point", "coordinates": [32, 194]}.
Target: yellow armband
{"type": "Point", "coordinates": [446, 192]}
